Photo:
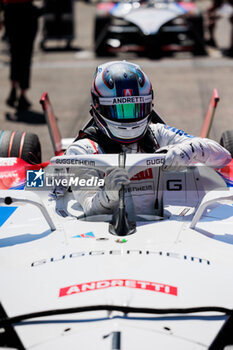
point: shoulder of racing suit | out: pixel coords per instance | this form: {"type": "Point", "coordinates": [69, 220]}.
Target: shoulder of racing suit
{"type": "Point", "coordinates": [169, 135]}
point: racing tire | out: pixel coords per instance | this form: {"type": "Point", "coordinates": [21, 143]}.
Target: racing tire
{"type": "Point", "coordinates": [227, 141]}
{"type": "Point", "coordinates": [20, 144]}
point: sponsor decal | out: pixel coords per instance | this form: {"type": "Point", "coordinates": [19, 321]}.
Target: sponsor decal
{"type": "Point", "coordinates": [8, 161]}
{"type": "Point", "coordinates": [70, 161]}
{"type": "Point", "coordinates": [155, 161]}
{"type": "Point", "coordinates": [35, 178]}
{"type": "Point", "coordinates": [174, 185]}
{"type": "Point", "coordinates": [125, 100]}
{"type": "Point", "coordinates": [13, 173]}
{"type": "Point", "coordinates": [139, 189]}
{"type": "Point", "coordinates": [120, 252]}
{"type": "Point", "coordinates": [128, 92]}
{"type": "Point", "coordinates": [5, 213]}
{"type": "Point", "coordinates": [107, 101]}
{"type": "Point", "coordinates": [8, 179]}
{"type": "Point", "coordinates": [85, 235]}
{"type": "Point", "coordinates": [127, 283]}
{"type": "Point", "coordinates": [143, 175]}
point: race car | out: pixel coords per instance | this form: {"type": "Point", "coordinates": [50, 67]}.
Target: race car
{"type": "Point", "coordinates": [118, 281]}
{"type": "Point", "coordinates": [154, 28]}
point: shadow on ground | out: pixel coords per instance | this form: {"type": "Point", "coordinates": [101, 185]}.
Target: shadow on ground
{"type": "Point", "coordinates": [28, 116]}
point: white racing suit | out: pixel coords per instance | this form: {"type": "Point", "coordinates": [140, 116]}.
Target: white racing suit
{"type": "Point", "coordinates": [186, 149]}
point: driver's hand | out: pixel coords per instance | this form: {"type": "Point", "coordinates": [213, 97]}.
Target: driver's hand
{"type": "Point", "coordinates": [114, 179]}
{"type": "Point", "coordinates": [58, 192]}
{"type": "Point", "coordinates": [177, 158]}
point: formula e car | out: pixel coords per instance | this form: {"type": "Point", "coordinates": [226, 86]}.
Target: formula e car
{"type": "Point", "coordinates": [122, 281]}
{"type": "Point", "coordinates": [154, 28]}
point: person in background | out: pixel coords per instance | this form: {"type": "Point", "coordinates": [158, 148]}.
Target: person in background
{"type": "Point", "coordinates": [213, 14]}
{"type": "Point", "coordinates": [20, 21]}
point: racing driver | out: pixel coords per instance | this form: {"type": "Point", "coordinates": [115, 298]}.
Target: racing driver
{"type": "Point", "coordinates": [124, 120]}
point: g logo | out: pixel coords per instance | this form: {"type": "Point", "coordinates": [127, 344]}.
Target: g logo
{"type": "Point", "coordinates": [174, 185]}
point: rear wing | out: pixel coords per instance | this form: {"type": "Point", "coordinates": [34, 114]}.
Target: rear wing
{"type": "Point", "coordinates": [205, 130]}
{"type": "Point", "coordinates": [54, 131]}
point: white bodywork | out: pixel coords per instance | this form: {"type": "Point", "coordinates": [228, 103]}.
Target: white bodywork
{"type": "Point", "coordinates": [49, 259]}
{"type": "Point", "coordinates": [150, 18]}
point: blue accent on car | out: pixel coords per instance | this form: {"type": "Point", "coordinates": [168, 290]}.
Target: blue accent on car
{"type": "Point", "coordinates": [5, 213]}
{"type": "Point", "coordinates": [178, 131]}
{"type": "Point", "coordinates": [114, 8]}
{"type": "Point", "coordinates": [19, 186]}
{"type": "Point", "coordinates": [85, 235]}
{"type": "Point", "coordinates": [228, 182]}
{"type": "Point", "coordinates": [180, 7]}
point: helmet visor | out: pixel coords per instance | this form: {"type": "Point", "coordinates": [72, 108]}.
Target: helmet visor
{"type": "Point", "coordinates": [126, 109]}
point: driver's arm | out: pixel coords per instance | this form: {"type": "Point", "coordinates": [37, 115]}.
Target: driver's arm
{"type": "Point", "coordinates": [102, 200]}
{"type": "Point", "coordinates": [186, 149]}
{"type": "Point", "coordinates": [96, 200]}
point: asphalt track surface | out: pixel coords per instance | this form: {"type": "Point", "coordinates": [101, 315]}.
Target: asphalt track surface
{"type": "Point", "coordinates": [182, 84]}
